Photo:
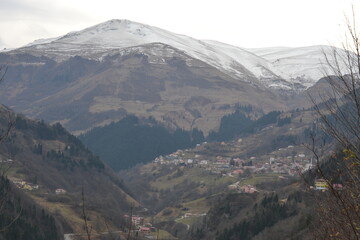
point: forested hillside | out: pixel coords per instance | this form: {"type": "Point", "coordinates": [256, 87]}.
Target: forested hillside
{"type": "Point", "coordinates": [241, 123]}
{"type": "Point", "coordinates": [128, 142]}
{"type": "Point", "coordinates": [59, 174]}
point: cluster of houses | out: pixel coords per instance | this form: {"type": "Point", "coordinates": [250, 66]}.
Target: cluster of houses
{"type": "Point", "coordinates": [25, 185]}
{"type": "Point", "coordinates": [30, 186]}
{"type": "Point", "coordinates": [323, 185]}
{"type": "Point", "coordinates": [140, 225]}
{"type": "Point", "coordinates": [246, 188]}
{"type": "Point", "coordinates": [60, 191]}
{"type": "Point", "coordinates": [288, 165]}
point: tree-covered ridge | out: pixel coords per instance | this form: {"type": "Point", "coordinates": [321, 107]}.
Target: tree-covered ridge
{"type": "Point", "coordinates": [73, 154]}
{"type": "Point", "coordinates": [260, 216]}
{"type": "Point", "coordinates": [239, 124]}
{"type": "Point", "coordinates": [128, 142]}
{"type": "Point", "coordinates": [266, 214]}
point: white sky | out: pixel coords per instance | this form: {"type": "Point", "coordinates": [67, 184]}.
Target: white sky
{"type": "Point", "coordinates": [244, 23]}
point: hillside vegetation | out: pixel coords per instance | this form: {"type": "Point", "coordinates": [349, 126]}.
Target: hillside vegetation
{"type": "Point", "coordinates": [52, 169]}
{"type": "Point", "coordinates": [195, 193]}
{"type": "Point", "coordinates": [132, 140]}
{"type": "Point", "coordinates": [129, 142]}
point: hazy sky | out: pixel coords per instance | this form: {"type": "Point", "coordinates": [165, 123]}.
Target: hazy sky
{"type": "Point", "coordinates": [244, 23]}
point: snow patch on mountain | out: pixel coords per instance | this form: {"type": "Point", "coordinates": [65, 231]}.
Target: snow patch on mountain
{"type": "Point", "coordinates": [303, 65]}
{"type": "Point", "coordinates": [41, 41]}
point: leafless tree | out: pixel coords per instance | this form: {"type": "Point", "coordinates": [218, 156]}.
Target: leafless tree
{"type": "Point", "coordinates": [4, 164]}
{"type": "Point", "coordinates": [87, 226]}
{"type": "Point", "coordinates": [11, 118]}
{"type": "Point", "coordinates": [339, 113]}
{"type": "Point", "coordinates": [130, 224]}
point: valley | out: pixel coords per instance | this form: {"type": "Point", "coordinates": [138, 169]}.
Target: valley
{"type": "Point", "coordinates": [127, 131]}
{"type": "Point", "coordinates": [174, 192]}
{"type": "Point", "coordinates": [181, 188]}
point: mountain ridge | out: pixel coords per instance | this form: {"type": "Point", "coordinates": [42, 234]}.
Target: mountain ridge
{"type": "Point", "coordinates": [95, 41]}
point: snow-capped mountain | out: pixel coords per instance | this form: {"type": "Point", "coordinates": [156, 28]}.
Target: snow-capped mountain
{"type": "Point", "coordinates": [278, 68]}
{"type": "Point", "coordinates": [102, 73]}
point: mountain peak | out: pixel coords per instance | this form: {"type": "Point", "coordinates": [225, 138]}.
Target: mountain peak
{"type": "Point", "coordinates": [115, 24]}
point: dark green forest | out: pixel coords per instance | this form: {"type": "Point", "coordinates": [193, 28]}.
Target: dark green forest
{"type": "Point", "coordinates": [266, 214]}
{"type": "Point", "coordinates": [128, 142]}
{"type": "Point", "coordinates": [244, 216]}
{"type": "Point", "coordinates": [240, 124]}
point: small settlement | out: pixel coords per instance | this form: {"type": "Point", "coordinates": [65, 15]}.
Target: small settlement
{"type": "Point", "coordinates": [286, 162]}
{"type": "Point", "coordinates": [25, 185]}
{"type": "Point", "coordinates": [139, 226]}
{"type": "Point", "coordinates": [289, 165]}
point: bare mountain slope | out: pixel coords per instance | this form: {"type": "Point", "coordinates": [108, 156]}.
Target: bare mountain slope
{"type": "Point", "coordinates": [174, 88]}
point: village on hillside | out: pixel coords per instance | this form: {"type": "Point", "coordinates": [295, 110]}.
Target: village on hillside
{"type": "Point", "coordinates": [286, 162]}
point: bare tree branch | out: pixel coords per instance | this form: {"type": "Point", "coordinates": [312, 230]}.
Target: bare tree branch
{"type": "Point", "coordinates": [339, 114]}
